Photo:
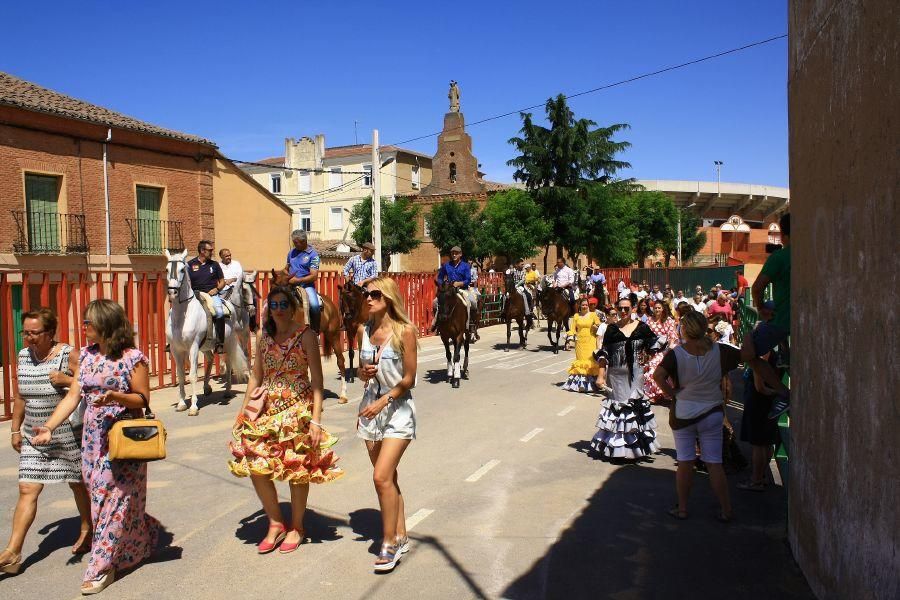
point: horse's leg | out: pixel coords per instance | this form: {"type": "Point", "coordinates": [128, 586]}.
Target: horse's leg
{"type": "Point", "coordinates": [550, 332]}
{"type": "Point", "coordinates": [349, 377]}
{"type": "Point", "coordinates": [508, 332]}
{"type": "Point", "coordinates": [342, 366]}
{"type": "Point", "coordinates": [209, 359]}
{"type": "Point", "coordinates": [465, 368]}
{"type": "Point", "coordinates": [194, 360]}
{"type": "Point", "coordinates": [449, 361]}
{"type": "Point", "coordinates": [456, 373]}
{"type": "Point", "coordinates": [521, 321]}
{"type": "Point", "coordinates": [556, 339]}
{"type": "Point", "coordinates": [179, 371]}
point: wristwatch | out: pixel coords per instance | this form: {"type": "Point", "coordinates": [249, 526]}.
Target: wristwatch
{"type": "Point", "coordinates": [390, 398]}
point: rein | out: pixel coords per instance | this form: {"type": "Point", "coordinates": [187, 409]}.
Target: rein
{"type": "Point", "coordinates": [174, 275]}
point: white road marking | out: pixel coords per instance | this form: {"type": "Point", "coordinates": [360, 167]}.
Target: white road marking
{"type": "Point", "coordinates": [443, 356]}
{"type": "Point", "coordinates": [484, 469]}
{"type": "Point", "coordinates": [417, 517]}
{"type": "Point", "coordinates": [565, 411]}
{"type": "Point", "coordinates": [512, 365]}
{"type": "Point", "coordinates": [553, 367]}
{"type": "Point", "coordinates": [530, 435]}
{"type": "Point", "coordinates": [497, 356]}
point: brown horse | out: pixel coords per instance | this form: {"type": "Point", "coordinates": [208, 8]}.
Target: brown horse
{"type": "Point", "coordinates": [557, 310]}
{"type": "Point", "coordinates": [354, 312]}
{"type": "Point", "coordinates": [330, 326]}
{"type": "Point", "coordinates": [451, 325]}
{"type": "Point", "coordinates": [514, 310]}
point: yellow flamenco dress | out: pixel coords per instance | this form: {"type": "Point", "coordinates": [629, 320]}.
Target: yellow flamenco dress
{"type": "Point", "coordinates": [584, 370]}
{"type": "Point", "coordinates": [277, 444]}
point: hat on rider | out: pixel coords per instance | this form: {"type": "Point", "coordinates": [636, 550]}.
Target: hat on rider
{"type": "Point", "coordinates": [456, 249]}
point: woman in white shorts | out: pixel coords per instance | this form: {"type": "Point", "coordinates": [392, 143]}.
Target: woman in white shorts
{"type": "Point", "coordinates": [387, 414]}
{"type": "Point", "coordinates": [696, 369]}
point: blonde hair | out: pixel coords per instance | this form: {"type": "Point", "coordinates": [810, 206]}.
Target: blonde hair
{"type": "Point", "coordinates": [693, 327]}
{"type": "Point", "coordinates": [111, 324]}
{"type": "Point", "coordinates": [396, 310]}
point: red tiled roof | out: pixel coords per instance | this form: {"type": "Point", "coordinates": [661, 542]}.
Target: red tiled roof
{"type": "Point", "coordinates": [30, 96]}
{"type": "Point", "coordinates": [276, 161]}
{"type": "Point", "coordinates": [355, 150]}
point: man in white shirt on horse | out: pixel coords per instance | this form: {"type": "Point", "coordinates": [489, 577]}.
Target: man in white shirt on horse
{"type": "Point", "coordinates": [564, 278]}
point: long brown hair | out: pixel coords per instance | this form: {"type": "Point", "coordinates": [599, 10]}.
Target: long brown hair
{"type": "Point", "coordinates": [278, 290]}
{"type": "Point", "coordinates": [112, 326]}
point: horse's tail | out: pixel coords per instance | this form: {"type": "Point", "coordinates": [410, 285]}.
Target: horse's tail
{"type": "Point", "coordinates": [327, 347]}
{"type": "Point", "coordinates": [237, 362]}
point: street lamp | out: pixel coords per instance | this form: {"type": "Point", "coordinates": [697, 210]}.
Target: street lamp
{"type": "Point", "coordinates": [691, 205]}
{"type": "Point", "coordinates": [718, 164]}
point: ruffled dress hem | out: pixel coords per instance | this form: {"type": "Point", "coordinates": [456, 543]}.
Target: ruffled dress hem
{"type": "Point", "coordinates": [581, 383]}
{"type": "Point", "coordinates": [626, 430]}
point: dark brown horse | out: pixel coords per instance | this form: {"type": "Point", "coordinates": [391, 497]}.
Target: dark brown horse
{"type": "Point", "coordinates": [354, 312]}
{"type": "Point", "coordinates": [451, 326]}
{"type": "Point", "coordinates": [557, 310]}
{"type": "Point", "coordinates": [330, 326]}
{"type": "Point", "coordinates": [514, 310]}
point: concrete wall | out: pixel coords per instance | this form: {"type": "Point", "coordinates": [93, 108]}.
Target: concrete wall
{"type": "Point", "coordinates": [255, 225]}
{"type": "Point", "coordinates": [844, 82]}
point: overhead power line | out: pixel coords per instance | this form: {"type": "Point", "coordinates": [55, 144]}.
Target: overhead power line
{"type": "Point", "coordinates": [607, 86]}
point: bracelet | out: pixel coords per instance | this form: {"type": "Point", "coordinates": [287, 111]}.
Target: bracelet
{"type": "Point", "coordinates": [16, 432]}
{"type": "Point", "coordinates": [316, 423]}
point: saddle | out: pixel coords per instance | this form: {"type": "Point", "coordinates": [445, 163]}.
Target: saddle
{"type": "Point", "coordinates": [303, 295]}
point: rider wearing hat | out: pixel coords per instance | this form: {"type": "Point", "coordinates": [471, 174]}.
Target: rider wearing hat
{"type": "Point", "coordinates": [458, 272]}
{"type": "Point", "coordinates": [518, 273]}
{"type": "Point", "coordinates": [303, 265]}
{"type": "Point", "coordinates": [362, 266]}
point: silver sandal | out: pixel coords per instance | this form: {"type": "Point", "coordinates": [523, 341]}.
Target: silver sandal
{"type": "Point", "coordinates": [388, 553]}
{"type": "Point", "coordinates": [402, 544]}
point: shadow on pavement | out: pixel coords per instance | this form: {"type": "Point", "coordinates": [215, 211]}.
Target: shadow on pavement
{"type": "Point", "coordinates": [436, 376]}
{"type": "Point", "coordinates": [366, 524]}
{"type": "Point", "coordinates": [319, 528]}
{"type": "Point", "coordinates": [59, 534]}
{"type": "Point", "coordinates": [623, 545]}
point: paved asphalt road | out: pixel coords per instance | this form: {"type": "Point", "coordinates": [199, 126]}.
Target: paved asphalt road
{"type": "Point", "coordinates": [502, 502]}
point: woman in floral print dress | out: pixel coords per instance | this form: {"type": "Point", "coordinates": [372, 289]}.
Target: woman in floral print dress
{"type": "Point", "coordinates": [663, 325]}
{"type": "Point", "coordinates": [113, 378]}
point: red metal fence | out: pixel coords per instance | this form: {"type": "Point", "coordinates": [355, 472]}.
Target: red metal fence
{"type": "Point", "coordinates": [143, 295]}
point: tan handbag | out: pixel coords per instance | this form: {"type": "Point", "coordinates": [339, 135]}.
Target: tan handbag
{"type": "Point", "coordinates": [141, 439]}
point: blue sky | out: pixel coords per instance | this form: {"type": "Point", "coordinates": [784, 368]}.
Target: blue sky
{"type": "Point", "coordinates": [249, 74]}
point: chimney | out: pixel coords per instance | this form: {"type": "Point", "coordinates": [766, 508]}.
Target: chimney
{"type": "Point", "coordinates": [289, 152]}
{"type": "Point", "coordinates": [320, 149]}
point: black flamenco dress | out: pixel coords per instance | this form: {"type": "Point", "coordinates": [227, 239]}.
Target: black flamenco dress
{"type": "Point", "coordinates": [626, 425]}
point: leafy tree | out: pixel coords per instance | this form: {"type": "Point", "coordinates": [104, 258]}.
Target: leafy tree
{"type": "Point", "coordinates": [692, 238]}
{"type": "Point", "coordinates": [398, 226]}
{"type": "Point", "coordinates": [452, 223]}
{"type": "Point", "coordinates": [512, 226]}
{"type": "Point", "coordinates": [654, 218]}
{"type": "Point", "coordinates": [609, 219]}
{"type": "Point", "coordinates": [554, 161]}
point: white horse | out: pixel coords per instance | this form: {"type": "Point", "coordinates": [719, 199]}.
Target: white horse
{"type": "Point", "coordinates": [240, 296]}
{"type": "Point", "coordinates": [186, 330]}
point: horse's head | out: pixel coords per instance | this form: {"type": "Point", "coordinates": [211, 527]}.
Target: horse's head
{"type": "Point", "coordinates": [446, 297]}
{"type": "Point", "coordinates": [509, 282]}
{"type": "Point", "coordinates": [352, 301]}
{"type": "Point", "coordinates": [176, 271]}
{"type": "Point", "coordinates": [281, 277]}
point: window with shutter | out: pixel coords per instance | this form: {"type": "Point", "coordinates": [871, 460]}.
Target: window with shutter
{"type": "Point", "coordinates": [304, 181]}
{"type": "Point", "coordinates": [42, 208]}
{"type": "Point", "coordinates": [149, 226]}
{"type": "Point", "coordinates": [335, 177]}
{"type": "Point", "coordinates": [336, 218]}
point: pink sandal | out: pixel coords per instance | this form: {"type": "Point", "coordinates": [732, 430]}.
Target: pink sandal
{"type": "Point", "coordinates": [265, 547]}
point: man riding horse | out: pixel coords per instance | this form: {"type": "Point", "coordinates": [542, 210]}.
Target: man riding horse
{"type": "Point", "coordinates": [207, 281]}
{"type": "Point", "coordinates": [458, 273]}
{"type": "Point", "coordinates": [564, 278]}
{"type": "Point", "coordinates": [362, 266]}
{"type": "Point", "coordinates": [518, 274]}
{"type": "Point", "coordinates": [303, 267]}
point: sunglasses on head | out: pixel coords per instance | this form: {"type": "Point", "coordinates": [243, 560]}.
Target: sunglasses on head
{"type": "Point", "coordinates": [373, 294]}
{"type": "Point", "coordinates": [279, 304]}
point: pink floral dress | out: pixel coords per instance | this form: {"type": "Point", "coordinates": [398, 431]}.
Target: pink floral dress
{"type": "Point", "coordinates": [669, 329]}
{"type": "Point", "coordinates": [124, 534]}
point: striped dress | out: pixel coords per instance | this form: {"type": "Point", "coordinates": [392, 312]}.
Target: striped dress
{"type": "Point", "coordinates": [59, 461]}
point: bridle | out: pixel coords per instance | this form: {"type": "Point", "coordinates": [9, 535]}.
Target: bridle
{"type": "Point", "coordinates": [173, 276]}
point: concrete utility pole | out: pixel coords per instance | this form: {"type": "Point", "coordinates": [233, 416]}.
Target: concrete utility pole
{"type": "Point", "coordinates": [376, 198]}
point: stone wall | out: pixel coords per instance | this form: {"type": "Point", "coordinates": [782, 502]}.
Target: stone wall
{"type": "Point", "coordinates": [844, 82]}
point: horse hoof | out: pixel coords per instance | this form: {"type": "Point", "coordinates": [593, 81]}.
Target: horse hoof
{"type": "Point", "coordinates": [194, 411]}
{"type": "Point", "coordinates": [506, 349]}
{"type": "Point", "coordinates": [181, 407]}
{"type": "Point", "coordinates": [455, 383]}
{"type": "Point", "coordinates": [342, 400]}
{"type": "Point", "coordinates": [556, 351]}
{"type": "Point", "coordinates": [207, 390]}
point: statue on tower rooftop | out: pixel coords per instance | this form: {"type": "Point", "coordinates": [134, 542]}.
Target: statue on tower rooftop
{"type": "Point", "coordinates": [453, 95]}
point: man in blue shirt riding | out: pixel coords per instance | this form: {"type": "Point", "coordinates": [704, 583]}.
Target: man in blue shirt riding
{"type": "Point", "coordinates": [207, 280]}
{"type": "Point", "coordinates": [303, 265]}
{"type": "Point", "coordinates": [458, 272]}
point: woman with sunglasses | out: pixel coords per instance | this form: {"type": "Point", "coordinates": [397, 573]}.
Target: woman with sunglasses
{"type": "Point", "coordinates": [626, 427]}
{"type": "Point", "coordinates": [44, 371]}
{"type": "Point", "coordinates": [278, 433]}
{"type": "Point", "coordinates": [387, 414]}
{"type": "Point", "coordinates": [112, 380]}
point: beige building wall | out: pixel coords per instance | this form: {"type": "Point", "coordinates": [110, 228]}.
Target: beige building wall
{"type": "Point", "coordinates": [254, 224]}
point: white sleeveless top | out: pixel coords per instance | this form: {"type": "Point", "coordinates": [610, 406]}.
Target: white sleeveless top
{"type": "Point", "coordinates": [698, 379]}
{"type": "Point", "coordinates": [390, 368]}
